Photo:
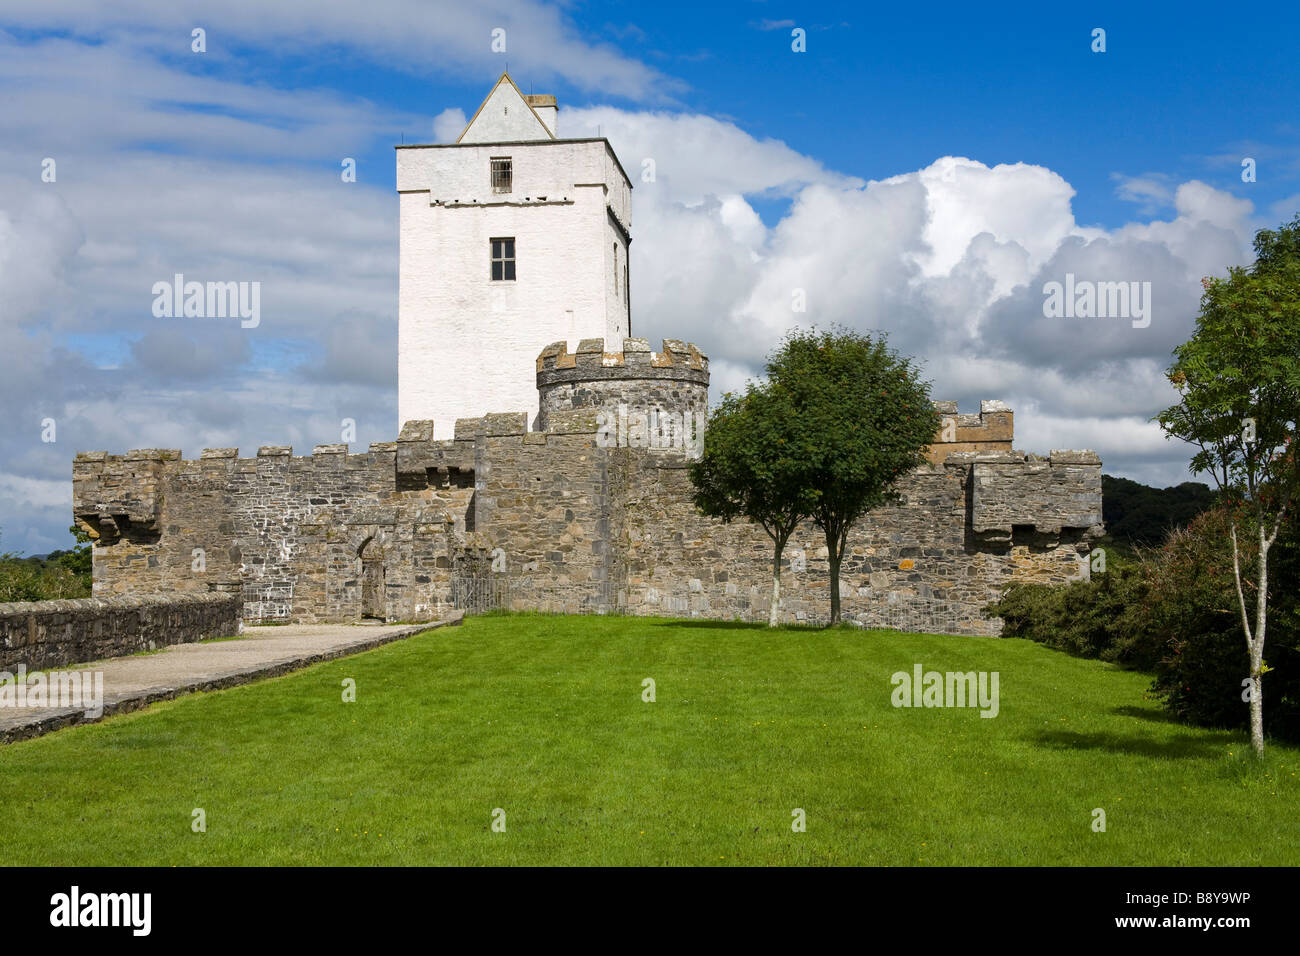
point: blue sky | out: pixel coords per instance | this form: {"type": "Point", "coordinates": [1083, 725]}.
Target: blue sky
{"type": "Point", "coordinates": [1182, 91]}
{"type": "Point", "coordinates": [830, 170]}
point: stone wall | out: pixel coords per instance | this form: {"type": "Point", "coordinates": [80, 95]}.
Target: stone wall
{"type": "Point", "coordinates": [567, 520]}
{"type": "Point", "coordinates": [47, 634]}
{"type": "Point", "coordinates": [991, 430]}
{"type": "Point", "coordinates": [581, 527]}
{"type": "Point", "coordinates": [918, 564]}
{"type": "Point", "coordinates": [326, 537]}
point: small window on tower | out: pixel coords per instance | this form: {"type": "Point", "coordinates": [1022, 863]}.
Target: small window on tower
{"type": "Point", "coordinates": [501, 174]}
{"type": "Point", "coordinates": [503, 260]}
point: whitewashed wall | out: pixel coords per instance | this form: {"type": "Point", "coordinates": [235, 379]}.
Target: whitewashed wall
{"type": "Point", "coordinates": [504, 116]}
{"type": "Point", "coordinates": [468, 345]}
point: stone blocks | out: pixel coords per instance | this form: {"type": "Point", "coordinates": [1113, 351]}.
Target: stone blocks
{"type": "Point", "coordinates": [47, 634]}
{"type": "Point", "coordinates": [560, 520]}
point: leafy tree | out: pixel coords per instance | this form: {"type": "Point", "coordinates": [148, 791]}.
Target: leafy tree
{"type": "Point", "coordinates": [864, 420]}
{"type": "Point", "coordinates": [78, 560]}
{"type": "Point", "coordinates": [751, 467]}
{"type": "Point", "coordinates": [1238, 379]}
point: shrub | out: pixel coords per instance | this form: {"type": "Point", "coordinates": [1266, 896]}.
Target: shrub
{"type": "Point", "coordinates": [1194, 607]}
{"type": "Point", "coordinates": [1086, 618]}
{"type": "Point", "coordinates": [1175, 613]}
{"type": "Point", "coordinates": [26, 580]}
{"type": "Point", "coordinates": [60, 574]}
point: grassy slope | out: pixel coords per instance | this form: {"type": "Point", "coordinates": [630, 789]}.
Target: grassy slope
{"type": "Point", "coordinates": [543, 716]}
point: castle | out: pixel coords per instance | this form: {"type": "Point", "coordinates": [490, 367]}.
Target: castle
{"type": "Point", "coordinates": [577, 499]}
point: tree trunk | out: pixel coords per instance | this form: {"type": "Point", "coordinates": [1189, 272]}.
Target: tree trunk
{"type": "Point", "coordinates": [1254, 641]}
{"type": "Point", "coordinates": [1257, 703]}
{"type": "Point", "coordinates": [1257, 647]}
{"type": "Point", "coordinates": [835, 557]}
{"type": "Point", "coordinates": [776, 584]}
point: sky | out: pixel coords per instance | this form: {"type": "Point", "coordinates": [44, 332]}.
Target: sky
{"type": "Point", "coordinates": [920, 170]}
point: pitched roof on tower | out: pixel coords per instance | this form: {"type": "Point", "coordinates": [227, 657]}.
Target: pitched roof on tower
{"type": "Point", "coordinates": [507, 116]}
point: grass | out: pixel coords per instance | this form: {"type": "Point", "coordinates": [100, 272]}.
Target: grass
{"type": "Point", "coordinates": [543, 717]}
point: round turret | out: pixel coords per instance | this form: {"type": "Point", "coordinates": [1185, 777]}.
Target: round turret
{"type": "Point", "coordinates": [674, 382]}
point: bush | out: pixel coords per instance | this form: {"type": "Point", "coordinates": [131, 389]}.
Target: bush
{"type": "Point", "coordinates": [1175, 613]}
{"type": "Point", "coordinates": [60, 574]}
{"type": "Point", "coordinates": [1194, 608]}
{"type": "Point", "coordinates": [26, 580]}
{"type": "Point", "coordinates": [1086, 618]}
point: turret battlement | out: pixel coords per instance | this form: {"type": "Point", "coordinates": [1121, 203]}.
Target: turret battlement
{"type": "Point", "coordinates": [672, 382]}
{"type": "Point", "coordinates": [993, 429]}
{"type": "Point", "coordinates": [678, 358]}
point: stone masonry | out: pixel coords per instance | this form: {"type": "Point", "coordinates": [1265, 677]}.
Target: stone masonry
{"type": "Point", "coordinates": [48, 634]}
{"type": "Point", "coordinates": [565, 519]}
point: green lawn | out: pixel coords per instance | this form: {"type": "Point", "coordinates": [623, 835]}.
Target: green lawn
{"type": "Point", "coordinates": [543, 717]}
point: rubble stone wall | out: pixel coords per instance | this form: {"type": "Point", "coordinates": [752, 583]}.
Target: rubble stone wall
{"type": "Point", "coordinates": [41, 635]}
{"type": "Point", "coordinates": [568, 520]}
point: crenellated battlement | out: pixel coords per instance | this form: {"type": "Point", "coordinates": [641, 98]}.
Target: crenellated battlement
{"type": "Point", "coordinates": [672, 382]}
{"type": "Point", "coordinates": [569, 521]}
{"type": "Point", "coordinates": [993, 429]}
{"type": "Point", "coordinates": [678, 359]}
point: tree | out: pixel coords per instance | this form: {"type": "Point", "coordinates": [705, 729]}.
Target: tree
{"type": "Point", "coordinates": [751, 468]}
{"type": "Point", "coordinates": [864, 420]}
{"type": "Point", "coordinates": [78, 560]}
{"type": "Point", "coordinates": [1138, 515]}
{"type": "Point", "coordinates": [1238, 380]}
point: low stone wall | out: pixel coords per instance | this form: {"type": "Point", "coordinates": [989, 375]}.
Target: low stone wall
{"type": "Point", "coordinates": [46, 634]}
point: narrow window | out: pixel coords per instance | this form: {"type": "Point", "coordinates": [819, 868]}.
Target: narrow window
{"type": "Point", "coordinates": [616, 270]}
{"type": "Point", "coordinates": [503, 260]}
{"type": "Point", "coordinates": [502, 174]}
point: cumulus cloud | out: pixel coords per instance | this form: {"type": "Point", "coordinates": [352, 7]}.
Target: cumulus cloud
{"type": "Point", "coordinates": [448, 124]}
{"type": "Point", "coordinates": [693, 156]}
{"type": "Point", "coordinates": [949, 260]}
{"type": "Point", "coordinates": [1151, 192]}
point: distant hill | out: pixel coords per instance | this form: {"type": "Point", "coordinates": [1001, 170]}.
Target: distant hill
{"type": "Point", "coordinates": [1137, 514]}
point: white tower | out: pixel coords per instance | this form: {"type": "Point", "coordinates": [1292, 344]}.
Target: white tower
{"type": "Point", "coordinates": [510, 239]}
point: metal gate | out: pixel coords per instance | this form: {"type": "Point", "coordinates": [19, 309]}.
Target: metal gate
{"type": "Point", "coordinates": [474, 595]}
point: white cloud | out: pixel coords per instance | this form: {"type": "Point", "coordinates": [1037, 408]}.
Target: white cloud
{"type": "Point", "coordinates": [1151, 192]}
{"type": "Point", "coordinates": [448, 125]}
{"type": "Point", "coordinates": [35, 492]}
{"type": "Point", "coordinates": [419, 36]}
{"type": "Point", "coordinates": [950, 260]}
{"type": "Point", "coordinates": [695, 156]}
